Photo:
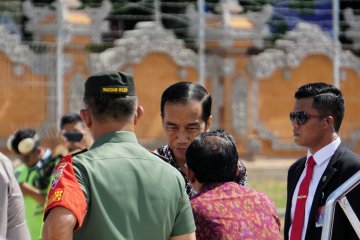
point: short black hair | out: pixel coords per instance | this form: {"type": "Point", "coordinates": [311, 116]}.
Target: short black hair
{"type": "Point", "coordinates": [69, 118]}
{"type": "Point", "coordinates": [183, 92]}
{"type": "Point", "coordinates": [328, 100]}
{"type": "Point", "coordinates": [213, 157]}
{"type": "Point", "coordinates": [111, 106]}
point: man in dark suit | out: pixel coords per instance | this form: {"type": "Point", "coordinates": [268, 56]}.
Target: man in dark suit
{"type": "Point", "coordinates": [316, 120]}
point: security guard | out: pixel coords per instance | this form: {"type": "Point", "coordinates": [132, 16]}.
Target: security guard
{"type": "Point", "coordinates": [117, 189]}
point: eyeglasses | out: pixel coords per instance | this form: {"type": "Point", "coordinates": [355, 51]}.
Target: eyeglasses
{"type": "Point", "coordinates": [302, 117]}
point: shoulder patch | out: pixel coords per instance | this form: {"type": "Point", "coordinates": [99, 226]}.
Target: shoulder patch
{"type": "Point", "coordinates": [57, 173]}
{"type": "Point", "coordinates": [66, 192]}
{"type": "Point", "coordinates": [160, 156]}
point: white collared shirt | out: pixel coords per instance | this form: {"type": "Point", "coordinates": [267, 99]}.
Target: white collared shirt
{"type": "Point", "coordinates": [322, 159]}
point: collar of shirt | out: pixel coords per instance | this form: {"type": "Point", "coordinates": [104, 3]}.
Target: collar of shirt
{"type": "Point", "coordinates": [324, 154]}
{"type": "Point", "coordinates": [117, 136]}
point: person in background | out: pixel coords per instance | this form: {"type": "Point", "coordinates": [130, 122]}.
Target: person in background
{"type": "Point", "coordinates": [33, 175]}
{"type": "Point", "coordinates": [117, 189]}
{"type": "Point", "coordinates": [12, 214]}
{"type": "Point", "coordinates": [222, 208]}
{"type": "Point", "coordinates": [74, 134]}
{"type": "Point", "coordinates": [316, 119]}
{"type": "Point", "coordinates": [185, 113]}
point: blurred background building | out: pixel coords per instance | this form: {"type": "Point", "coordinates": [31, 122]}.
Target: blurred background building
{"type": "Point", "coordinates": [251, 55]}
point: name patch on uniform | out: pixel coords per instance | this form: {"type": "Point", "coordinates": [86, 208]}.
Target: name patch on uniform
{"type": "Point", "coordinates": [121, 90]}
{"type": "Point", "coordinates": [58, 171]}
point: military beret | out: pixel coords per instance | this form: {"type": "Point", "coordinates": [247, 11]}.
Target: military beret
{"type": "Point", "coordinates": [109, 83]}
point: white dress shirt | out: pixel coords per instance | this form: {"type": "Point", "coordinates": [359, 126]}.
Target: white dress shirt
{"type": "Point", "coordinates": [322, 159]}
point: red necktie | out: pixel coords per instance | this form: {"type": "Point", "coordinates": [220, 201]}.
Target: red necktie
{"type": "Point", "coordinates": [299, 214]}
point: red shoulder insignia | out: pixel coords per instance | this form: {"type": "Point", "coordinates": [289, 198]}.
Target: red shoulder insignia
{"type": "Point", "coordinates": [65, 191]}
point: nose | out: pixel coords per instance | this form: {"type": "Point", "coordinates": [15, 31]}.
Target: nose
{"type": "Point", "coordinates": [183, 136]}
{"type": "Point", "coordinates": [294, 123]}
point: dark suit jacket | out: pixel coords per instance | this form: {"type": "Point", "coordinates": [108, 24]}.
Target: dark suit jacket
{"type": "Point", "coordinates": [343, 164]}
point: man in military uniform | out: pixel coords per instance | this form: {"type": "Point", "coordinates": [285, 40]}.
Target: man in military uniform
{"type": "Point", "coordinates": [33, 174]}
{"type": "Point", "coordinates": [117, 189]}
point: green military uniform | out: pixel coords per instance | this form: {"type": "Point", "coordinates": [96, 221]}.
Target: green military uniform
{"type": "Point", "coordinates": [38, 177]}
{"type": "Point", "coordinates": [129, 192]}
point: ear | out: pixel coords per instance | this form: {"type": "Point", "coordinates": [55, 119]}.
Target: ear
{"type": "Point", "coordinates": [208, 123]}
{"type": "Point", "coordinates": [329, 123]}
{"type": "Point", "coordinates": [138, 114]}
{"type": "Point", "coordinates": [86, 117]}
{"type": "Point", "coordinates": [329, 120]}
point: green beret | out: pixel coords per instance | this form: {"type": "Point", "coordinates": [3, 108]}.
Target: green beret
{"type": "Point", "coordinates": [109, 83]}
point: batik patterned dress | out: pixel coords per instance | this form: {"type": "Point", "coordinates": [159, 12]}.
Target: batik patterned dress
{"type": "Point", "coordinates": [230, 211]}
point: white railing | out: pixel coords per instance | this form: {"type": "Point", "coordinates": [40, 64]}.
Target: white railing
{"type": "Point", "coordinates": [339, 196]}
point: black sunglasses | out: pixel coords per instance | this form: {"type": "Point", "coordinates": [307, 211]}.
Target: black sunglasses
{"type": "Point", "coordinates": [302, 117]}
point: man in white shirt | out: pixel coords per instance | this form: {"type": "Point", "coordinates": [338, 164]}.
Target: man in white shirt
{"type": "Point", "coordinates": [316, 120]}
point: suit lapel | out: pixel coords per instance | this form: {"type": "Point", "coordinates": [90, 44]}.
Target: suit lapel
{"type": "Point", "coordinates": [324, 180]}
{"type": "Point", "coordinates": [293, 177]}
{"type": "Point", "coordinates": [296, 175]}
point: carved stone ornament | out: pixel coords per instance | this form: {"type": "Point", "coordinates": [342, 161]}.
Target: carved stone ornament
{"type": "Point", "coordinates": [264, 133]}
{"type": "Point", "coordinates": [42, 20]}
{"type": "Point", "coordinates": [353, 32]}
{"type": "Point", "coordinates": [20, 54]}
{"type": "Point", "coordinates": [214, 66]}
{"type": "Point", "coordinates": [218, 29]}
{"type": "Point", "coordinates": [76, 92]}
{"type": "Point", "coordinates": [217, 66]}
{"type": "Point", "coordinates": [218, 101]}
{"type": "Point", "coordinates": [12, 47]}
{"type": "Point", "coordinates": [254, 145]}
{"type": "Point", "coordinates": [239, 106]}
{"type": "Point", "coordinates": [304, 40]}
{"type": "Point", "coordinates": [147, 37]}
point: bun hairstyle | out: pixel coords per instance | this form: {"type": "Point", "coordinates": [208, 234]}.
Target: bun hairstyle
{"type": "Point", "coordinates": [24, 141]}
